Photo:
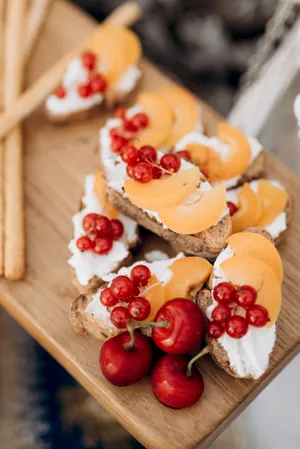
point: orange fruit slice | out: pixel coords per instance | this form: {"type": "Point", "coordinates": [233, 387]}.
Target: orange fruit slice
{"type": "Point", "coordinates": [155, 293]}
{"type": "Point", "coordinates": [273, 202]}
{"type": "Point", "coordinates": [99, 189]}
{"type": "Point", "coordinates": [249, 210]}
{"type": "Point", "coordinates": [208, 160]}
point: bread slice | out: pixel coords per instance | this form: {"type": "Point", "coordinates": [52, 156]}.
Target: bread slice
{"type": "Point", "coordinates": [255, 170]}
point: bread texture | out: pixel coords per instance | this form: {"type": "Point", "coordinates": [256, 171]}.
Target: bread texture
{"type": "Point", "coordinates": [255, 170]}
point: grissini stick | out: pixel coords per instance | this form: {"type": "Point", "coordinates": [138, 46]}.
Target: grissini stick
{"type": "Point", "coordinates": [1, 143]}
{"type": "Point", "coordinates": [125, 15]}
{"type": "Point", "coordinates": [35, 18]}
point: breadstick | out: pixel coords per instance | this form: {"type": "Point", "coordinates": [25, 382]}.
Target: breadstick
{"type": "Point", "coordinates": [125, 15]}
{"type": "Point", "coordinates": [34, 22]}
{"type": "Point", "coordinates": [1, 143]}
{"type": "Point", "coordinates": [14, 241]}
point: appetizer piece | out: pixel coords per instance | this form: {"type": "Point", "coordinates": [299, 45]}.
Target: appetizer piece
{"type": "Point", "coordinates": [243, 304]}
{"type": "Point", "coordinates": [262, 203]}
{"type": "Point", "coordinates": [103, 238]}
{"type": "Point", "coordinates": [231, 157]}
{"type": "Point", "coordinates": [169, 196]}
{"type": "Point", "coordinates": [105, 72]}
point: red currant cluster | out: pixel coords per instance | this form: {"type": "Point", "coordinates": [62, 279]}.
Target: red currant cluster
{"type": "Point", "coordinates": [126, 289]}
{"type": "Point", "coordinates": [100, 233]}
{"type": "Point", "coordinates": [225, 318]}
{"type": "Point", "coordinates": [232, 208]}
{"type": "Point", "coordinates": [96, 83]}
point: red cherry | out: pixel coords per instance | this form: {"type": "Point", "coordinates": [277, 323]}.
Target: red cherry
{"type": "Point", "coordinates": [184, 154]}
{"type": "Point", "coordinates": [185, 328]}
{"type": "Point", "coordinates": [84, 90]}
{"type": "Point", "coordinates": [232, 208]}
{"type": "Point", "coordinates": [140, 275]}
{"type": "Point", "coordinates": [139, 308]}
{"type": "Point", "coordinates": [84, 243]}
{"type": "Point", "coordinates": [119, 112]}
{"type": "Point", "coordinates": [88, 60]}
{"type": "Point", "coordinates": [60, 92]}
{"type": "Point", "coordinates": [257, 316]}
{"type": "Point", "coordinates": [116, 229]}
{"type": "Point", "coordinates": [130, 155]}
{"type": "Point", "coordinates": [102, 226]}
{"type": "Point", "coordinates": [224, 292]}
{"type": "Point", "coordinates": [214, 329]}
{"type": "Point", "coordinates": [147, 153]}
{"type": "Point", "coordinates": [129, 126]}
{"type": "Point", "coordinates": [121, 366]}
{"type": "Point", "coordinates": [140, 120]}
{"type": "Point", "coordinates": [115, 132]}
{"type": "Point", "coordinates": [103, 244]}
{"type": "Point", "coordinates": [118, 142]}
{"type": "Point", "coordinates": [236, 326]}
{"type": "Point", "coordinates": [107, 298]}
{"type": "Point", "coordinates": [142, 172]}
{"type": "Point", "coordinates": [119, 316]}
{"type": "Point", "coordinates": [129, 171]}
{"type": "Point", "coordinates": [98, 84]}
{"type": "Point", "coordinates": [122, 287]}
{"type": "Point", "coordinates": [172, 386]}
{"type": "Point", "coordinates": [170, 162]}
{"type": "Point", "coordinates": [89, 222]}
{"type": "Point", "coordinates": [221, 312]}
{"type": "Point", "coordinates": [245, 296]}
{"type": "Point", "coordinates": [156, 172]}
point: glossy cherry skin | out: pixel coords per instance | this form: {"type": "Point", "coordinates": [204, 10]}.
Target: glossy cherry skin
{"type": "Point", "coordinates": [124, 367]}
{"type": "Point", "coordinates": [185, 330]}
{"type": "Point", "coordinates": [170, 384]}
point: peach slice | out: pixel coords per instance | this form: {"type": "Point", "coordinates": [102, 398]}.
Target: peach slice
{"type": "Point", "coordinates": [249, 210]}
{"type": "Point", "coordinates": [160, 194]}
{"type": "Point", "coordinates": [155, 293]}
{"type": "Point", "coordinates": [246, 270]}
{"type": "Point", "coordinates": [187, 274]}
{"type": "Point", "coordinates": [257, 246]}
{"type": "Point", "coordinates": [160, 119]}
{"type": "Point", "coordinates": [99, 188]}
{"type": "Point", "coordinates": [185, 113]}
{"type": "Point", "coordinates": [208, 160]}
{"type": "Point", "coordinates": [198, 216]}
{"type": "Point", "coordinates": [273, 201]}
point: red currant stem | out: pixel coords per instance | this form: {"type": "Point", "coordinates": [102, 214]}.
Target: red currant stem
{"type": "Point", "coordinates": [169, 172]}
{"type": "Point", "coordinates": [200, 354]}
{"type": "Point", "coordinates": [138, 324]}
{"type": "Point", "coordinates": [130, 328]}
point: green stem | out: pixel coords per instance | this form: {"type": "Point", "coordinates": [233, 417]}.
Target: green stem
{"type": "Point", "coordinates": [129, 346]}
{"type": "Point", "coordinates": [194, 359]}
{"type": "Point", "coordinates": [138, 324]}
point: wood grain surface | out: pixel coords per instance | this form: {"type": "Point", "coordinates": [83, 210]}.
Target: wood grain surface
{"type": "Point", "coordinates": [56, 161]}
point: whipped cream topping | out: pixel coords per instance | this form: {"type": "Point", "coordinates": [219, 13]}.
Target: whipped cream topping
{"type": "Point", "coordinates": [297, 111]}
{"type": "Point", "coordinates": [279, 224]}
{"type": "Point", "coordinates": [88, 264]}
{"type": "Point", "coordinates": [77, 74]}
{"type": "Point", "coordinates": [156, 255]}
{"type": "Point", "coordinates": [221, 148]}
{"type": "Point", "coordinates": [249, 355]}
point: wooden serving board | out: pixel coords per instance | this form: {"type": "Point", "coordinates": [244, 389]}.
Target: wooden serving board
{"type": "Point", "coordinates": [56, 161]}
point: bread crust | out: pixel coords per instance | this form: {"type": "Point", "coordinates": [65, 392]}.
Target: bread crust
{"type": "Point", "coordinates": [255, 170]}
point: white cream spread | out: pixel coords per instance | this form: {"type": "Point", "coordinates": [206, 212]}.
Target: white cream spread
{"type": "Point", "coordinates": [156, 255]}
{"type": "Point", "coordinates": [249, 355]}
{"type": "Point", "coordinates": [297, 111]}
{"type": "Point", "coordinates": [88, 264]}
{"type": "Point", "coordinates": [221, 148]}
{"type": "Point", "coordinates": [77, 74]}
{"type": "Point", "coordinates": [279, 224]}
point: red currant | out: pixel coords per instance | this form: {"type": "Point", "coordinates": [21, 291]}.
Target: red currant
{"type": "Point", "coordinates": [116, 229]}
{"type": "Point", "coordinates": [232, 208]}
{"type": "Point", "coordinates": [147, 153]}
{"type": "Point", "coordinates": [184, 154]}
{"type": "Point", "coordinates": [89, 222]}
{"type": "Point", "coordinates": [140, 275]}
{"type": "Point", "coordinates": [236, 326]}
{"type": "Point", "coordinates": [140, 120]}
{"type": "Point", "coordinates": [88, 60]}
{"type": "Point", "coordinates": [118, 142]}
{"type": "Point", "coordinates": [115, 132]}
{"type": "Point", "coordinates": [98, 84]}
{"type": "Point", "coordinates": [119, 112]}
{"type": "Point", "coordinates": [103, 244]}
{"type": "Point", "coordinates": [214, 329]}
{"type": "Point", "coordinates": [129, 126]}
{"type": "Point", "coordinates": [245, 296]}
{"type": "Point", "coordinates": [107, 298]}
{"type": "Point", "coordinates": [221, 312]}
{"type": "Point", "coordinates": [60, 92]}
{"type": "Point", "coordinates": [102, 226]}
{"type": "Point", "coordinates": [257, 316]}
{"type": "Point", "coordinates": [84, 243]}
{"type": "Point", "coordinates": [142, 172]}
{"type": "Point", "coordinates": [119, 316]}
{"type": "Point", "coordinates": [224, 292]}
{"type": "Point", "coordinates": [130, 155]}
{"type": "Point", "coordinates": [84, 90]}
{"type": "Point", "coordinates": [156, 173]}
{"type": "Point", "coordinates": [122, 287]}
{"type": "Point", "coordinates": [139, 308]}
{"type": "Point", "coordinates": [129, 171]}
{"type": "Point", "coordinates": [170, 162]}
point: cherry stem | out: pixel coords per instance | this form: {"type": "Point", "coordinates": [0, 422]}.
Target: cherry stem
{"type": "Point", "coordinates": [200, 354]}
{"type": "Point", "coordinates": [138, 324]}
{"type": "Point", "coordinates": [129, 346]}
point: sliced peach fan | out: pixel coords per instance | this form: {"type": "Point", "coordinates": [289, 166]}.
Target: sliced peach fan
{"type": "Point", "coordinates": [99, 189]}
{"type": "Point", "coordinates": [249, 210]}
{"type": "Point", "coordinates": [162, 193]}
{"type": "Point", "coordinates": [185, 113]}
{"type": "Point", "coordinates": [257, 246]}
{"type": "Point", "coordinates": [188, 273]}
{"type": "Point", "coordinates": [198, 216]}
{"type": "Point", "coordinates": [154, 292]}
{"type": "Point", "coordinates": [246, 270]}
{"type": "Point", "coordinates": [273, 202]}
